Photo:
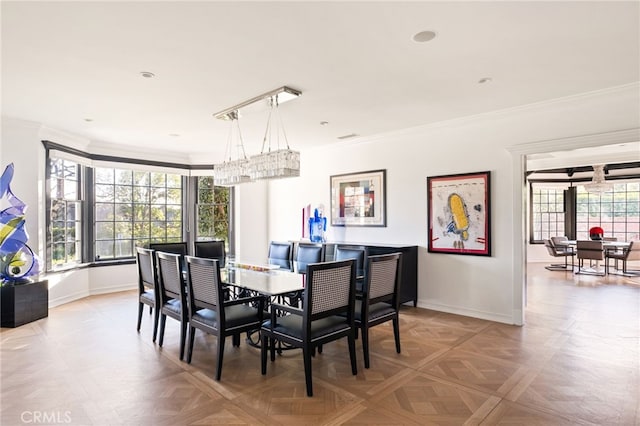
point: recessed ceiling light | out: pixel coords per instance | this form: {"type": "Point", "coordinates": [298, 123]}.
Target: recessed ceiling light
{"type": "Point", "coordinates": [350, 135]}
{"type": "Point", "coordinates": [88, 120]}
{"type": "Point", "coordinates": [174, 135]}
{"type": "Point", "coordinates": [485, 80]}
{"type": "Point", "coordinates": [147, 74]}
{"type": "Point", "coordinates": [324, 123]}
{"type": "Point", "coordinates": [424, 36]}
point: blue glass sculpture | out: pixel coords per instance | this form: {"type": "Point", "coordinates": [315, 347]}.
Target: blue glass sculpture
{"type": "Point", "coordinates": [17, 260]}
{"type": "Point", "coordinates": [317, 227]}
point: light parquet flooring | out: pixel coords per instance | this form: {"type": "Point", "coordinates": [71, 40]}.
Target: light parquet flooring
{"type": "Point", "coordinates": [575, 362]}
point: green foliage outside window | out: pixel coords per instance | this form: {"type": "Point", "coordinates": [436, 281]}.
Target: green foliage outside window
{"type": "Point", "coordinates": [212, 211]}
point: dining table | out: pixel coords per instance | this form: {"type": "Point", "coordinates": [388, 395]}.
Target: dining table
{"type": "Point", "coordinates": [607, 246]}
{"type": "Point", "coordinates": [264, 279]}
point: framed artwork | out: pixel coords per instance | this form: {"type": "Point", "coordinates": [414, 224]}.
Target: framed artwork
{"type": "Point", "coordinates": [459, 214]}
{"type": "Point", "coordinates": [359, 199]}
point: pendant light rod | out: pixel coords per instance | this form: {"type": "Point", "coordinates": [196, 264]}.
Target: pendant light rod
{"type": "Point", "coordinates": [283, 93]}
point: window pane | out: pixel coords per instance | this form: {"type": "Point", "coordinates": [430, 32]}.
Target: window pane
{"type": "Point", "coordinates": [174, 181]}
{"type": "Point", "coordinates": [104, 192]}
{"type": "Point", "coordinates": [124, 194]}
{"type": "Point", "coordinates": [64, 213]}
{"type": "Point", "coordinates": [104, 211]}
{"type": "Point", "coordinates": [105, 230]}
{"type": "Point", "coordinates": [104, 249]}
{"type": "Point", "coordinates": [104, 175]}
{"type": "Point", "coordinates": [123, 177]}
{"type": "Point", "coordinates": [124, 248]}
{"type": "Point", "coordinates": [174, 196]}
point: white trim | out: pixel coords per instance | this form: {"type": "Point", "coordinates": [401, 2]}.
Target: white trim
{"type": "Point", "coordinates": [490, 316]}
{"type": "Point", "coordinates": [113, 289]}
{"type": "Point", "coordinates": [68, 298]}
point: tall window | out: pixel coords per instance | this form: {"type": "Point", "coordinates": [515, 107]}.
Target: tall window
{"type": "Point", "coordinates": [134, 208]}
{"type": "Point", "coordinates": [616, 212]}
{"type": "Point", "coordinates": [212, 210]}
{"type": "Point", "coordinates": [547, 212]}
{"type": "Point", "coordinates": [65, 218]}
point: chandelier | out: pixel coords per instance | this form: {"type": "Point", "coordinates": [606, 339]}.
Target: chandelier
{"type": "Point", "coordinates": [598, 183]}
{"type": "Point", "coordinates": [279, 163]}
{"type": "Point", "coordinates": [276, 160]}
{"type": "Point", "coordinates": [232, 171]}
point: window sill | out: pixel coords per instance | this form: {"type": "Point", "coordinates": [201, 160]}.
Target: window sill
{"type": "Point", "coordinates": [64, 269]}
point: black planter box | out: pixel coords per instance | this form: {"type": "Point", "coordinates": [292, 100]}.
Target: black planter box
{"type": "Point", "coordinates": [23, 303]}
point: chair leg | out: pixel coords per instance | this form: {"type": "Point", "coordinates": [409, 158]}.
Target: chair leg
{"type": "Point", "coordinates": [352, 354]}
{"type": "Point", "coordinates": [150, 310]}
{"type": "Point", "coordinates": [236, 340]}
{"type": "Point", "coordinates": [396, 332]}
{"type": "Point", "coordinates": [221, 339]}
{"type": "Point", "coordinates": [163, 320]}
{"type": "Point", "coordinates": [365, 344]}
{"type": "Point", "coordinates": [306, 355]}
{"type": "Point", "coordinates": [156, 314]}
{"type": "Point", "coordinates": [140, 308]}
{"type": "Point", "coordinates": [192, 335]}
{"type": "Point", "coordinates": [272, 348]}
{"type": "Point", "coordinates": [183, 337]}
{"type": "Point", "coordinates": [263, 353]}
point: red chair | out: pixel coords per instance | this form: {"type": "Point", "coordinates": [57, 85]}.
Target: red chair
{"type": "Point", "coordinates": [596, 233]}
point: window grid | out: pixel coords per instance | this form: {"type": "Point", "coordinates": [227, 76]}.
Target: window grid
{"type": "Point", "coordinates": [135, 208]}
{"type": "Point", "coordinates": [616, 212]}
{"type": "Point", "coordinates": [212, 211]}
{"type": "Point", "coordinates": [64, 242]}
{"type": "Point", "coordinates": [547, 213]}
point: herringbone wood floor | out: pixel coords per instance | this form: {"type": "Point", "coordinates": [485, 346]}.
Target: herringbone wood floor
{"type": "Point", "coordinates": [576, 361]}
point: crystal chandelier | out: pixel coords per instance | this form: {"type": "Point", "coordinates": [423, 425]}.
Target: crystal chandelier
{"type": "Point", "coordinates": [598, 183]}
{"type": "Point", "coordinates": [269, 164]}
{"type": "Point", "coordinates": [232, 172]}
{"type": "Point", "coordinates": [279, 163]}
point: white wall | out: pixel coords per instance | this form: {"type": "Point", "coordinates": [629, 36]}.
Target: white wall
{"type": "Point", "coordinates": [484, 287]}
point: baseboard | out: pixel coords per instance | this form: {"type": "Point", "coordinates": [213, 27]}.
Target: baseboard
{"type": "Point", "coordinates": [113, 289]}
{"type": "Point", "coordinates": [68, 298]}
{"type": "Point", "coordinates": [490, 316]}
{"type": "Point", "coordinates": [94, 291]}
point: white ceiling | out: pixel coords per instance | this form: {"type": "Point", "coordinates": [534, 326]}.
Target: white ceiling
{"type": "Point", "coordinates": [355, 62]}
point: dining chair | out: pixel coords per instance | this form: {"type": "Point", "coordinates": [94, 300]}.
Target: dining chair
{"type": "Point", "coordinates": [176, 248]}
{"type": "Point", "coordinates": [560, 251]}
{"type": "Point", "coordinates": [280, 253]}
{"type": "Point", "coordinates": [559, 240]}
{"type": "Point", "coordinates": [147, 286]}
{"type": "Point", "coordinates": [173, 298]}
{"type": "Point", "coordinates": [306, 253]}
{"type": "Point", "coordinates": [358, 253]}
{"type": "Point", "coordinates": [209, 312]}
{"type": "Point", "coordinates": [630, 253]}
{"type": "Point", "coordinates": [380, 300]}
{"type": "Point", "coordinates": [327, 315]}
{"type": "Point", "coordinates": [211, 250]}
{"type": "Point", "coordinates": [589, 250]}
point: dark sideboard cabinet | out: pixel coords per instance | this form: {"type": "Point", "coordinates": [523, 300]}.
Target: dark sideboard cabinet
{"type": "Point", "coordinates": [409, 285]}
{"type": "Point", "coordinates": [24, 303]}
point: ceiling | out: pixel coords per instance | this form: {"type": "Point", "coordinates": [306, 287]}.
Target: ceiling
{"type": "Point", "coordinates": [76, 66]}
